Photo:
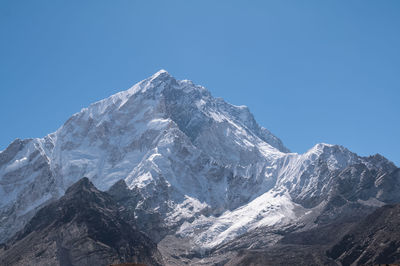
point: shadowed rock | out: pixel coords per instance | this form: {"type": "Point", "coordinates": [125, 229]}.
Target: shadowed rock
{"type": "Point", "coordinates": [375, 240]}
{"type": "Point", "coordinates": [84, 227]}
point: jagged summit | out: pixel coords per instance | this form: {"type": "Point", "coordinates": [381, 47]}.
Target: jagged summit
{"type": "Point", "coordinates": [161, 71]}
{"type": "Point", "coordinates": [161, 74]}
{"type": "Point", "coordinates": [83, 184]}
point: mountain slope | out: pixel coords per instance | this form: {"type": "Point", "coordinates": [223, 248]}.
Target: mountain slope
{"type": "Point", "coordinates": [82, 228]}
{"type": "Point", "coordinates": [194, 166]}
{"type": "Point", "coordinates": [375, 240]}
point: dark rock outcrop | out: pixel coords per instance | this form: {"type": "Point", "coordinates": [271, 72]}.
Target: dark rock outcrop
{"type": "Point", "coordinates": [146, 220]}
{"type": "Point", "coordinates": [84, 227]}
{"type": "Point", "coordinates": [375, 240]}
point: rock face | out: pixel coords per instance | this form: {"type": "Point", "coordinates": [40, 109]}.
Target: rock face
{"type": "Point", "coordinates": [375, 240]}
{"type": "Point", "coordinates": [194, 168]}
{"type": "Point", "coordinates": [84, 227]}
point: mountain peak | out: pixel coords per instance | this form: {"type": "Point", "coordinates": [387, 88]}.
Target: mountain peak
{"type": "Point", "coordinates": [161, 73]}
{"type": "Point", "coordinates": [154, 81]}
{"type": "Point", "coordinates": [83, 184]}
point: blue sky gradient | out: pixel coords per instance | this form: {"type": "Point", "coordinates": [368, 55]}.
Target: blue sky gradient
{"type": "Point", "coordinates": [310, 71]}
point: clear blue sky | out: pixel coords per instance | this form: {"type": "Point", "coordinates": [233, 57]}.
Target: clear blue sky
{"type": "Point", "coordinates": [310, 71]}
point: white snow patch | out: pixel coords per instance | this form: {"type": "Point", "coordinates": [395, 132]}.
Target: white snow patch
{"type": "Point", "coordinates": [269, 209]}
{"type": "Point", "coordinates": [217, 116]}
{"type": "Point", "coordinates": [16, 164]}
{"type": "Point", "coordinates": [200, 103]}
{"type": "Point", "coordinates": [143, 180]}
{"type": "Point", "coordinates": [371, 202]}
{"type": "Point", "coordinates": [188, 208]}
{"type": "Point", "coordinates": [158, 124]}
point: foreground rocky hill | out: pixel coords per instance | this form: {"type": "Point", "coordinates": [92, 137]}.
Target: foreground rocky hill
{"type": "Point", "coordinates": [84, 227]}
{"type": "Point", "coordinates": [375, 240]}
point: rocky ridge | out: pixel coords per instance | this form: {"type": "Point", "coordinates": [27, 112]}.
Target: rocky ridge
{"type": "Point", "coordinates": [84, 227]}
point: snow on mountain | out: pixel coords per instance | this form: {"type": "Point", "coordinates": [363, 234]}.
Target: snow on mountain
{"type": "Point", "coordinates": [269, 209]}
{"type": "Point", "coordinates": [203, 165]}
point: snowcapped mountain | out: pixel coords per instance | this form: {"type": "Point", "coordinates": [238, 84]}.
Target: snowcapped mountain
{"type": "Point", "coordinates": [197, 167]}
